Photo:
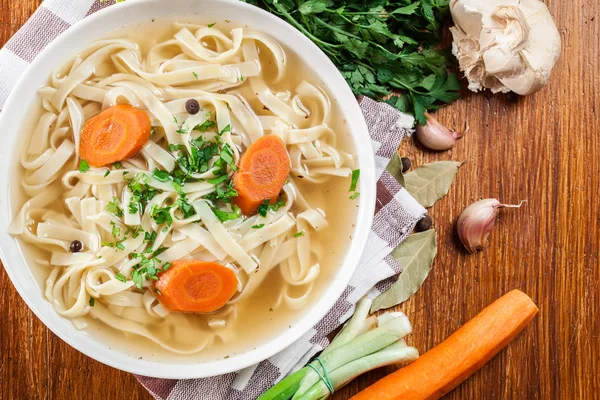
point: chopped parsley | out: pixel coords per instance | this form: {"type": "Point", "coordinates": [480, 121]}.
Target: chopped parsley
{"type": "Point", "coordinates": [186, 208]}
{"type": "Point", "coordinates": [226, 129]}
{"type": "Point", "coordinates": [257, 226]}
{"type": "Point", "coordinates": [115, 231]}
{"type": "Point", "coordinates": [135, 231]}
{"type": "Point", "coordinates": [195, 75]}
{"type": "Point", "coordinates": [228, 215]}
{"type": "Point", "coordinates": [118, 244]}
{"type": "Point", "coordinates": [107, 173]}
{"type": "Point", "coordinates": [265, 206]}
{"type": "Point", "coordinates": [84, 166]}
{"type": "Point", "coordinates": [217, 180]}
{"type": "Point", "coordinates": [121, 277]}
{"type": "Point", "coordinates": [141, 192]}
{"type": "Point", "coordinates": [134, 205]}
{"type": "Point", "coordinates": [147, 268]}
{"type": "Point", "coordinates": [117, 165]}
{"type": "Point", "coordinates": [211, 25]}
{"type": "Point", "coordinates": [160, 175]}
{"type": "Point", "coordinates": [176, 147]}
{"type": "Point", "coordinates": [206, 125]}
{"type": "Point", "coordinates": [299, 234]}
{"type": "Point", "coordinates": [113, 207]}
{"type": "Point", "coordinates": [92, 301]}
{"type": "Point", "coordinates": [150, 237]}
{"type": "Point", "coordinates": [161, 215]}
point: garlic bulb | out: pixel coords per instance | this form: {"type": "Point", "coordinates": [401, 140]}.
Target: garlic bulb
{"type": "Point", "coordinates": [505, 45]}
{"type": "Point", "coordinates": [477, 221]}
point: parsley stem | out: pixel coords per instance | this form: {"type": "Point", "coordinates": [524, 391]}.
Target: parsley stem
{"type": "Point", "coordinates": [298, 26]}
{"type": "Point", "coordinates": [342, 32]}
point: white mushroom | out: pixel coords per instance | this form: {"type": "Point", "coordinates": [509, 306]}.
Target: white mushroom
{"type": "Point", "coordinates": [505, 45]}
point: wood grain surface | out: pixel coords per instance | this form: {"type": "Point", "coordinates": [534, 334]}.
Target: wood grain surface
{"type": "Point", "coordinates": [544, 148]}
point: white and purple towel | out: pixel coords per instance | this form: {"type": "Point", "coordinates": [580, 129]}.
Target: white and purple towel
{"type": "Point", "coordinates": [396, 214]}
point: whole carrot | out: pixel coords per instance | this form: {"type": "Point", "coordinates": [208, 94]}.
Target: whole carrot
{"type": "Point", "coordinates": [450, 363]}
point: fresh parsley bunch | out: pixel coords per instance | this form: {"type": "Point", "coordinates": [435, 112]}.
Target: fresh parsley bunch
{"type": "Point", "coordinates": [381, 47]}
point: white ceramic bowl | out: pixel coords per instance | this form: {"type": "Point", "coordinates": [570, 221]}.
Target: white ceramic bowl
{"type": "Point", "coordinates": [100, 25]}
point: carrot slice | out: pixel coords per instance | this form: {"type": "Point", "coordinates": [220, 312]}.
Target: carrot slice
{"type": "Point", "coordinates": [262, 172]}
{"type": "Point", "coordinates": [196, 286]}
{"type": "Point", "coordinates": [450, 363]}
{"type": "Point", "coordinates": [117, 133]}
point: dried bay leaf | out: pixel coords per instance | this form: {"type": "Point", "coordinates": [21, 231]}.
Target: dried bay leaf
{"type": "Point", "coordinates": [395, 169]}
{"type": "Point", "coordinates": [416, 256]}
{"type": "Point", "coordinates": [430, 182]}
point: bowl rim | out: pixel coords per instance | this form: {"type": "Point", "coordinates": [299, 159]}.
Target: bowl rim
{"type": "Point", "coordinates": [20, 273]}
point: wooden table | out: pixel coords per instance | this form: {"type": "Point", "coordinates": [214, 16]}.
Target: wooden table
{"type": "Point", "coordinates": [544, 148]}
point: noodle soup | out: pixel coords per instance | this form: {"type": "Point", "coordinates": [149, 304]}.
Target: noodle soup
{"type": "Point", "coordinates": [102, 238]}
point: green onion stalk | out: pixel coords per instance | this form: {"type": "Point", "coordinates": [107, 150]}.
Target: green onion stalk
{"type": "Point", "coordinates": [364, 343]}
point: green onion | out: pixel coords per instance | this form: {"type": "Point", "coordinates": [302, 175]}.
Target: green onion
{"type": "Point", "coordinates": [355, 176]}
{"type": "Point", "coordinates": [92, 301]}
{"type": "Point", "coordinates": [257, 226]}
{"type": "Point", "coordinates": [211, 25]}
{"type": "Point", "coordinates": [121, 277]}
{"type": "Point", "coordinates": [119, 245]}
{"type": "Point", "coordinates": [107, 173]}
{"type": "Point", "coordinates": [299, 234]}
{"type": "Point", "coordinates": [363, 344]}
{"type": "Point", "coordinates": [195, 75]}
{"type": "Point", "coordinates": [354, 195]}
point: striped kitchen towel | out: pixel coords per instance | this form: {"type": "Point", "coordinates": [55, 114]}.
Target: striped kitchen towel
{"type": "Point", "coordinates": [396, 214]}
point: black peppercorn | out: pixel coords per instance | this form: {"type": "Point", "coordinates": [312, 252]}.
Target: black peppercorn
{"type": "Point", "coordinates": [424, 224]}
{"type": "Point", "coordinates": [192, 106]}
{"type": "Point", "coordinates": [406, 164]}
{"type": "Point", "coordinates": [76, 246]}
{"type": "Point", "coordinates": [511, 97]}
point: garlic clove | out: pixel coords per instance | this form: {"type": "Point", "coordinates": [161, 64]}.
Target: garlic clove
{"type": "Point", "coordinates": [436, 136]}
{"type": "Point", "coordinates": [477, 221]}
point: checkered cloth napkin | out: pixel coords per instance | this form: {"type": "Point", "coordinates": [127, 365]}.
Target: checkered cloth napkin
{"type": "Point", "coordinates": [396, 214]}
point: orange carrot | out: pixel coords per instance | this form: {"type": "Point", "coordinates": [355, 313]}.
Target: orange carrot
{"type": "Point", "coordinates": [450, 363]}
{"type": "Point", "coordinates": [262, 172]}
{"type": "Point", "coordinates": [196, 286]}
{"type": "Point", "coordinates": [115, 134]}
